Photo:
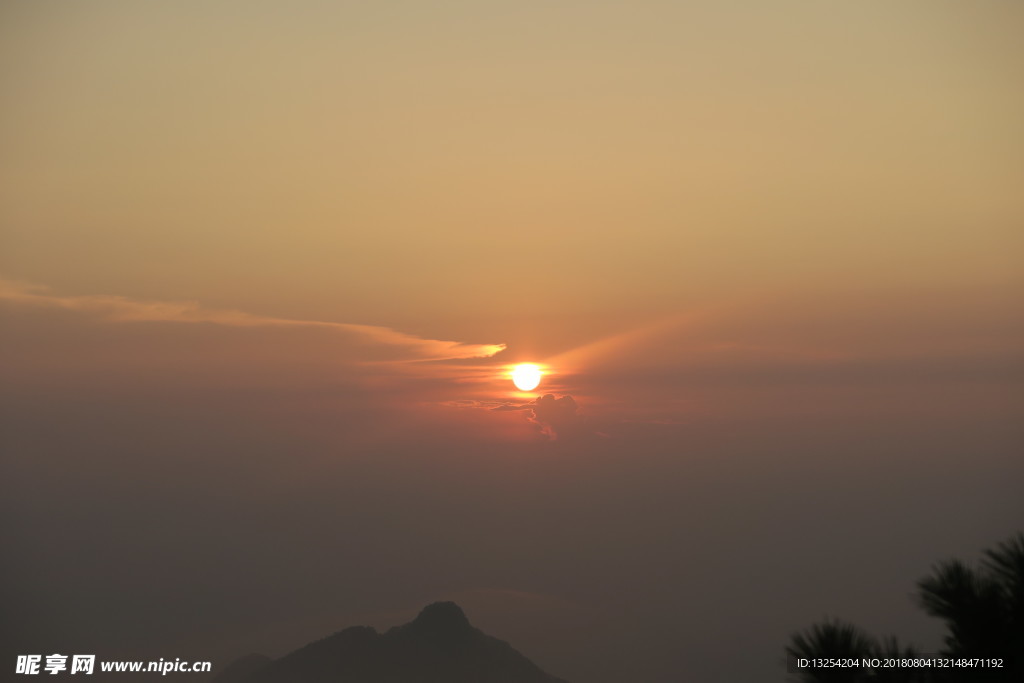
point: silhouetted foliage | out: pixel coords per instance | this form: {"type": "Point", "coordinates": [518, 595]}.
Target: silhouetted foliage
{"type": "Point", "coordinates": [843, 641]}
{"type": "Point", "coordinates": [984, 614]}
{"type": "Point", "coordinates": [838, 639]}
{"type": "Point", "coordinates": [984, 608]}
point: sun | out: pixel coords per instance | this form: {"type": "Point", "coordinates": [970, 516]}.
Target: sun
{"type": "Point", "coordinates": [526, 376]}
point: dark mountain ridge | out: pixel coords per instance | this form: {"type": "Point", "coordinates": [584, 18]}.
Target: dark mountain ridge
{"type": "Point", "coordinates": [438, 646]}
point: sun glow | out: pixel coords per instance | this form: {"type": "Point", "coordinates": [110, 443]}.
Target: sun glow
{"type": "Point", "coordinates": [526, 376]}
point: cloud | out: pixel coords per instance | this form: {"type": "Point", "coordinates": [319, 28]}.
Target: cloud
{"type": "Point", "coordinates": [555, 418]}
{"type": "Point", "coordinates": [511, 406]}
{"type": "Point", "coordinates": [559, 418]}
{"type": "Point", "coordinates": [123, 309]}
{"type": "Point", "coordinates": [619, 344]}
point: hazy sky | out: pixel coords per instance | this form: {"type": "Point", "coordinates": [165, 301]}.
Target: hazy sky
{"type": "Point", "coordinates": [264, 266]}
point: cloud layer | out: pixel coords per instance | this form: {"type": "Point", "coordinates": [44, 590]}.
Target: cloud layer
{"type": "Point", "coordinates": [123, 309]}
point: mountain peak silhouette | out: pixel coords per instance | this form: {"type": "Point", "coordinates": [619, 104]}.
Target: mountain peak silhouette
{"type": "Point", "coordinates": [438, 646]}
{"type": "Point", "coordinates": [442, 617]}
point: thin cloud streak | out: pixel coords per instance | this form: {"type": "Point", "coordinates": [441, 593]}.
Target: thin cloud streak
{"type": "Point", "coordinates": [123, 309]}
{"type": "Point", "coordinates": [584, 356]}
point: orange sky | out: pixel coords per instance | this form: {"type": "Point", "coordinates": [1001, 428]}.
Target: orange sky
{"type": "Point", "coordinates": [418, 168]}
{"type": "Point", "coordinates": [264, 268]}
